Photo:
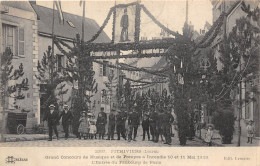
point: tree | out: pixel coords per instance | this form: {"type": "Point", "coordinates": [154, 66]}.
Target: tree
{"type": "Point", "coordinates": [8, 74]}
{"type": "Point", "coordinates": [79, 69]}
{"type": "Point", "coordinates": [110, 86]}
{"type": "Point", "coordinates": [181, 79]}
{"type": "Point", "coordinates": [50, 79]}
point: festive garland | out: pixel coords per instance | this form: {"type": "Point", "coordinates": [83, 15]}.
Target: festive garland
{"type": "Point", "coordinates": [148, 44]}
{"type": "Point", "coordinates": [56, 42]}
{"type": "Point", "coordinates": [102, 27]}
{"type": "Point", "coordinates": [131, 56]}
{"type": "Point", "coordinates": [158, 23]}
{"type": "Point", "coordinates": [150, 71]}
{"type": "Point", "coordinates": [131, 69]}
{"type": "Point", "coordinates": [145, 82]}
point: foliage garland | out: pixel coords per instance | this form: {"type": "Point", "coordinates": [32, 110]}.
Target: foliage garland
{"type": "Point", "coordinates": [158, 23]}
{"type": "Point", "coordinates": [145, 82]}
{"type": "Point", "coordinates": [131, 68]}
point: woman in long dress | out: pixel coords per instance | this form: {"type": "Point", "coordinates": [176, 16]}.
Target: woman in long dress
{"type": "Point", "coordinates": [83, 126]}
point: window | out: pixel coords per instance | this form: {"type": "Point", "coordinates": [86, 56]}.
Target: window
{"type": "Point", "coordinates": [12, 40]}
{"type": "Point", "coordinates": [60, 62]}
{"type": "Point", "coordinates": [100, 70]}
{"type": "Point", "coordinates": [21, 41]}
{"type": "Point", "coordinates": [71, 24]}
{"type": "Point", "coordinates": [105, 68]}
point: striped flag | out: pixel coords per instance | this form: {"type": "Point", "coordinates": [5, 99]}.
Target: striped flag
{"type": "Point", "coordinates": [60, 13]}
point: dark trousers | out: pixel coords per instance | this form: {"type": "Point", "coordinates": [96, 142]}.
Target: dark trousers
{"type": "Point", "coordinates": [101, 130]}
{"type": "Point", "coordinates": [131, 129]}
{"type": "Point", "coordinates": [146, 130]}
{"type": "Point", "coordinates": [151, 131]}
{"type": "Point", "coordinates": [66, 129]}
{"type": "Point", "coordinates": [167, 133]}
{"type": "Point", "coordinates": [250, 139]}
{"type": "Point", "coordinates": [155, 135]}
{"type": "Point", "coordinates": [53, 127]}
{"type": "Point", "coordinates": [111, 130]}
{"type": "Point", "coordinates": [120, 129]}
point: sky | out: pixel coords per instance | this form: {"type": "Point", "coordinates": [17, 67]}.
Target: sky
{"type": "Point", "coordinates": [170, 13]}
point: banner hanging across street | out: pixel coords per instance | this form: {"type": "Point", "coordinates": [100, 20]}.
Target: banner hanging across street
{"type": "Point", "coordinates": [125, 24]}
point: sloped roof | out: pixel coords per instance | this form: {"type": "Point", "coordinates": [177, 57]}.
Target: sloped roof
{"type": "Point", "coordinates": [45, 16]}
{"type": "Point", "coordinates": [23, 5]}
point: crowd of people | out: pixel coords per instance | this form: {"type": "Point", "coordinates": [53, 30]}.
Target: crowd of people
{"type": "Point", "coordinates": [155, 122]}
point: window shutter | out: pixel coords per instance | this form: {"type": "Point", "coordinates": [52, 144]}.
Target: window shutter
{"type": "Point", "coordinates": [21, 41]}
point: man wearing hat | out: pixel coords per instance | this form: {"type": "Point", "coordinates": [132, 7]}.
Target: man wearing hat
{"type": "Point", "coordinates": [111, 125]}
{"type": "Point", "coordinates": [101, 123]}
{"type": "Point", "coordinates": [52, 116]}
{"type": "Point", "coordinates": [67, 117]}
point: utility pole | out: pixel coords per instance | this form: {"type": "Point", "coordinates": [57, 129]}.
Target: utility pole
{"type": "Point", "coordinates": [1, 106]}
{"type": "Point", "coordinates": [240, 106]}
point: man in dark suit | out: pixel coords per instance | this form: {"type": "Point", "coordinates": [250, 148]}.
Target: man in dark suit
{"type": "Point", "coordinates": [120, 125]}
{"type": "Point", "coordinates": [111, 125]}
{"type": "Point", "coordinates": [167, 120]}
{"type": "Point", "coordinates": [52, 116]}
{"type": "Point", "coordinates": [133, 123]}
{"type": "Point", "coordinates": [101, 123]}
{"type": "Point", "coordinates": [67, 117]}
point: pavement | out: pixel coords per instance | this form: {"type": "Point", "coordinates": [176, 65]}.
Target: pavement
{"type": "Point", "coordinates": [39, 140]}
{"type": "Point", "coordinates": [217, 139]}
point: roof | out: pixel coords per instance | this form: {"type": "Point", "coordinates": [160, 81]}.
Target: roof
{"type": "Point", "coordinates": [221, 18]}
{"type": "Point", "coordinates": [45, 16]}
{"type": "Point", "coordinates": [23, 5]}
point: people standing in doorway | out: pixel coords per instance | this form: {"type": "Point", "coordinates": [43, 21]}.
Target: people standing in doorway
{"type": "Point", "coordinates": [120, 125]}
{"type": "Point", "coordinates": [67, 117]}
{"type": "Point", "coordinates": [133, 123]}
{"type": "Point", "coordinates": [111, 125]}
{"type": "Point", "coordinates": [101, 123]}
{"type": "Point", "coordinates": [145, 126]}
{"type": "Point", "coordinates": [52, 117]}
{"type": "Point", "coordinates": [250, 131]}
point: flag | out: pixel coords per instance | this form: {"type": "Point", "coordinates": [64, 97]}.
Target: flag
{"type": "Point", "coordinates": [60, 13]}
{"type": "Point", "coordinates": [80, 2]}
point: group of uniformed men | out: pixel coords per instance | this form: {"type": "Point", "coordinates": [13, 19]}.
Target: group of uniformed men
{"type": "Point", "coordinates": [157, 121]}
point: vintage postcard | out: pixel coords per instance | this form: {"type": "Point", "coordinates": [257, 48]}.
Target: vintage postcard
{"type": "Point", "coordinates": [126, 82]}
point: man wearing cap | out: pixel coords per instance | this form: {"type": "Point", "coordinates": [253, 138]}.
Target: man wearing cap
{"type": "Point", "coordinates": [52, 116]}
{"type": "Point", "coordinates": [111, 125]}
{"type": "Point", "coordinates": [67, 117]}
{"type": "Point", "coordinates": [101, 123]}
{"type": "Point", "coordinates": [120, 125]}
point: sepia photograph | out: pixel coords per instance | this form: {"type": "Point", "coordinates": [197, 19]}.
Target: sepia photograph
{"type": "Point", "coordinates": [119, 74]}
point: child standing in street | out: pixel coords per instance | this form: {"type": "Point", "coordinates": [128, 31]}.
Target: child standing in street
{"type": "Point", "coordinates": [209, 135]}
{"type": "Point", "coordinates": [250, 131]}
{"type": "Point", "coordinates": [93, 129]}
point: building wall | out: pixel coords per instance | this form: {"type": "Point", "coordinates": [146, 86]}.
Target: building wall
{"type": "Point", "coordinates": [26, 20]}
{"type": "Point", "coordinates": [235, 14]}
